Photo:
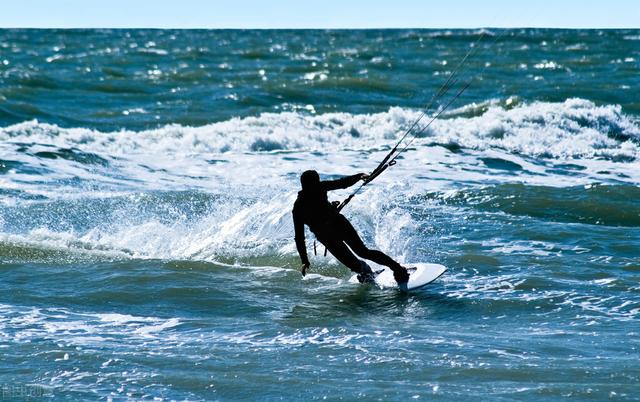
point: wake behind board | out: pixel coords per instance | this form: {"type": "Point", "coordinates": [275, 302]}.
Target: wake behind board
{"type": "Point", "coordinates": [420, 274]}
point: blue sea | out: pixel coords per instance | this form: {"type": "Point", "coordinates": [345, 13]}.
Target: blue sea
{"type": "Point", "coordinates": [146, 240]}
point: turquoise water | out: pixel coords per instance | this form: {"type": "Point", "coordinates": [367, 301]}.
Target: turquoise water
{"type": "Point", "coordinates": [146, 242]}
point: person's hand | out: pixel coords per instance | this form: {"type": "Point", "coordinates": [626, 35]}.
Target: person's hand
{"type": "Point", "coordinates": [364, 176]}
{"type": "Point", "coordinates": [304, 268]}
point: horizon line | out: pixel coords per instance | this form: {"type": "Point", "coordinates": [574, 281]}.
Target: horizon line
{"type": "Point", "coordinates": [323, 28]}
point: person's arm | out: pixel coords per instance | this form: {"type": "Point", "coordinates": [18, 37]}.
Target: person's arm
{"type": "Point", "coordinates": [344, 182]}
{"type": "Point", "coordinates": [298, 226]}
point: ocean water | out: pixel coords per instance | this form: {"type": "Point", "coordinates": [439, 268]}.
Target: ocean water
{"type": "Point", "coordinates": [146, 242]}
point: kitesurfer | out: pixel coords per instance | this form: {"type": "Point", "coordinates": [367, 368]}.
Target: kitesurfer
{"type": "Point", "coordinates": [333, 230]}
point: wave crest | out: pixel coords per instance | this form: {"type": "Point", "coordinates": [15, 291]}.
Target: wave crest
{"type": "Point", "coordinates": [576, 128]}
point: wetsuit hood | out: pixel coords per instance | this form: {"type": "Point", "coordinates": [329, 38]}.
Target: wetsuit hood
{"type": "Point", "coordinates": [310, 181]}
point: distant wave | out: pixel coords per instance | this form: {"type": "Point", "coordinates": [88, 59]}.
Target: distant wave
{"type": "Point", "coordinates": [576, 128]}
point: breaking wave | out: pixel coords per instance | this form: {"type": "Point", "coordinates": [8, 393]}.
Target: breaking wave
{"type": "Point", "coordinates": [576, 128]}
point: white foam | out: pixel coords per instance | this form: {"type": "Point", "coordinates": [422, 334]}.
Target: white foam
{"type": "Point", "coordinates": [574, 128]}
{"type": "Point", "coordinates": [254, 152]}
{"type": "Point", "coordinates": [80, 328]}
{"type": "Point", "coordinates": [257, 188]}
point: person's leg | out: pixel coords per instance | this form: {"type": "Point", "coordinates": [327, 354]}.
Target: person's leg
{"type": "Point", "coordinates": [338, 249]}
{"type": "Point", "coordinates": [356, 244]}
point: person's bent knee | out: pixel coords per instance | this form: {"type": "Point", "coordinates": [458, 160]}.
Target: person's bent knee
{"type": "Point", "coordinates": [363, 252]}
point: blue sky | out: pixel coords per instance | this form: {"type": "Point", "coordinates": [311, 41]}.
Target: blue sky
{"type": "Point", "coordinates": [321, 13]}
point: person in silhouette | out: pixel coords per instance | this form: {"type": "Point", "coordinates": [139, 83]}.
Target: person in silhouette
{"type": "Point", "coordinates": [333, 230]}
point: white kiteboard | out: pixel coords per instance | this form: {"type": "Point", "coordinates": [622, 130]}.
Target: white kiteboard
{"type": "Point", "coordinates": [420, 274]}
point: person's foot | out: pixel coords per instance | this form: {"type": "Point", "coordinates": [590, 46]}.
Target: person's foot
{"type": "Point", "coordinates": [401, 276]}
{"type": "Point", "coordinates": [366, 274]}
{"type": "Point", "coordinates": [367, 277]}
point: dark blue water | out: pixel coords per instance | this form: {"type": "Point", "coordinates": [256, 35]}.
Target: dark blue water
{"type": "Point", "coordinates": [146, 242]}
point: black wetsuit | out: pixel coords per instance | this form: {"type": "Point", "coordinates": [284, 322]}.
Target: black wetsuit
{"type": "Point", "coordinates": [331, 228]}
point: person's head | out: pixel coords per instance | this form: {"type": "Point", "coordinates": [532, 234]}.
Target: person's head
{"type": "Point", "coordinates": [309, 180]}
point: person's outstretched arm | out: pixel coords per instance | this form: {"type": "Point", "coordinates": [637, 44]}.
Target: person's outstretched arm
{"type": "Point", "coordinates": [344, 182]}
{"type": "Point", "coordinates": [298, 226]}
